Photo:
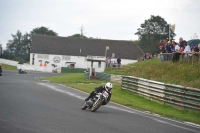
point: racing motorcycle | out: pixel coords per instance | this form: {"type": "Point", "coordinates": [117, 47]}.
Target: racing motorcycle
{"type": "Point", "coordinates": [22, 72]}
{"type": "Point", "coordinates": [95, 102]}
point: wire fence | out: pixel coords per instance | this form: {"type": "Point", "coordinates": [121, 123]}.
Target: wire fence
{"type": "Point", "coordinates": [188, 58]}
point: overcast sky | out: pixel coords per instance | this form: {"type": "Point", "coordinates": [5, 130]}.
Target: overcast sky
{"type": "Point", "coordinates": [105, 19]}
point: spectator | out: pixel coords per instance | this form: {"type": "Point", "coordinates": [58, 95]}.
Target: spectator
{"type": "Point", "coordinates": [195, 49]}
{"type": "Point", "coordinates": [164, 49]}
{"type": "Point", "coordinates": [118, 62]}
{"type": "Point", "coordinates": [169, 47]}
{"type": "Point", "coordinates": [112, 62]}
{"type": "Point", "coordinates": [181, 44]}
{"type": "Point", "coordinates": [187, 49]}
{"type": "Point", "coordinates": [199, 50]}
{"type": "Point", "coordinates": [107, 60]}
{"type": "Point", "coordinates": [160, 47]}
{"type": "Point", "coordinates": [148, 56]}
{"type": "Point", "coordinates": [176, 52]}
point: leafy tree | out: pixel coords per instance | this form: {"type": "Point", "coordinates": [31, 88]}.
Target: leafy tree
{"type": "Point", "coordinates": [43, 31]}
{"type": "Point", "coordinates": [17, 47]}
{"type": "Point", "coordinates": [78, 36]}
{"type": "Point", "coordinates": [152, 32]}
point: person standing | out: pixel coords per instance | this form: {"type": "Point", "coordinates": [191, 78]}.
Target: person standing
{"type": "Point", "coordinates": [118, 62]}
{"type": "Point", "coordinates": [176, 52]}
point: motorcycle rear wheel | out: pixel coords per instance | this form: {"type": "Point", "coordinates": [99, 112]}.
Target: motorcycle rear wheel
{"type": "Point", "coordinates": [84, 106]}
{"type": "Point", "coordinates": [95, 107]}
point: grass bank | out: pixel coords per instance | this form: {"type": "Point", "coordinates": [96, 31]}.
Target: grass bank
{"type": "Point", "coordinates": [8, 67]}
{"type": "Point", "coordinates": [179, 73]}
{"type": "Point", "coordinates": [76, 80]}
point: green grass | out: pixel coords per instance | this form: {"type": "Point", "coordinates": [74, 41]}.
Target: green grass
{"type": "Point", "coordinates": [174, 73]}
{"type": "Point", "coordinates": [8, 67]}
{"type": "Point", "coordinates": [71, 78]}
{"type": "Point", "coordinates": [126, 98]}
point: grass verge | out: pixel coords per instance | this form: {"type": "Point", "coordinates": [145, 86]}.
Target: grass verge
{"type": "Point", "coordinates": [8, 67]}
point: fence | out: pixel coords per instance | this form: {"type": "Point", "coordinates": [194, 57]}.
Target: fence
{"type": "Point", "coordinates": [175, 95]}
{"type": "Point", "coordinates": [72, 70]}
{"type": "Point", "coordinates": [189, 58]}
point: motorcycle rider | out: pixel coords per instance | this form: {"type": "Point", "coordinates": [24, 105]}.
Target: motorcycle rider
{"type": "Point", "coordinates": [20, 70]}
{"type": "Point", "coordinates": [108, 87]}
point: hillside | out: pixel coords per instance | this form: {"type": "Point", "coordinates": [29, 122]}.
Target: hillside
{"type": "Point", "coordinates": [179, 73]}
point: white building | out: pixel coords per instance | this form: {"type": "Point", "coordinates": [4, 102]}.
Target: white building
{"type": "Point", "coordinates": [52, 52]}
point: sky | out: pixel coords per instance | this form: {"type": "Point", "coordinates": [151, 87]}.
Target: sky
{"type": "Point", "coordinates": [104, 19]}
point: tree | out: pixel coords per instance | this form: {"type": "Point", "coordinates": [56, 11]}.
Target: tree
{"type": "Point", "coordinates": [152, 32]}
{"type": "Point", "coordinates": [17, 47]}
{"type": "Point", "coordinates": [78, 36]}
{"type": "Point", "coordinates": [43, 31]}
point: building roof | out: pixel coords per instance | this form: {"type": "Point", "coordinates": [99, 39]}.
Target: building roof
{"type": "Point", "coordinates": [193, 41]}
{"type": "Point", "coordinates": [83, 47]}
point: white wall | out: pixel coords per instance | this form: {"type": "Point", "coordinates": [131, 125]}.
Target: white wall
{"type": "Point", "coordinates": [81, 62]}
{"type": "Point", "coordinates": [8, 62]}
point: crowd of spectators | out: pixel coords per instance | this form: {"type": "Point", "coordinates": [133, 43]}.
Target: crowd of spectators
{"type": "Point", "coordinates": [178, 48]}
{"type": "Point", "coordinates": [113, 62]}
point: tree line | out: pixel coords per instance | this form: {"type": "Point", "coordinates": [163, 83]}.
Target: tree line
{"type": "Point", "coordinates": [150, 34]}
{"type": "Point", "coordinates": [18, 48]}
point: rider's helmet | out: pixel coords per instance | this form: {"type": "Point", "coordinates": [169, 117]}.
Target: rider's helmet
{"type": "Point", "coordinates": [108, 86]}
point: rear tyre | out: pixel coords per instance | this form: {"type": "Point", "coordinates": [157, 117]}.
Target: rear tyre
{"type": "Point", "coordinates": [84, 106]}
{"type": "Point", "coordinates": [96, 106]}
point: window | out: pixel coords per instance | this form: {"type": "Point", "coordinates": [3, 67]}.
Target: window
{"type": "Point", "coordinates": [66, 57]}
{"type": "Point", "coordinates": [43, 56]}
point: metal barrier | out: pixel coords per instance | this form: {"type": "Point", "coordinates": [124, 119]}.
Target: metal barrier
{"type": "Point", "coordinates": [166, 57]}
{"type": "Point", "coordinates": [189, 58]}
{"type": "Point", "coordinates": [175, 95]}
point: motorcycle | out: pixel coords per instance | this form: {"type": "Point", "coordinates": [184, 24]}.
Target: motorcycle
{"type": "Point", "coordinates": [95, 102]}
{"type": "Point", "coordinates": [22, 72]}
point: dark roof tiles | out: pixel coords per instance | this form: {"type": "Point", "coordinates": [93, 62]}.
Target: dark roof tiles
{"type": "Point", "coordinates": [96, 47]}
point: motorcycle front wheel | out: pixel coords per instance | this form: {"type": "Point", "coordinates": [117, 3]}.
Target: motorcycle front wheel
{"type": "Point", "coordinates": [84, 106]}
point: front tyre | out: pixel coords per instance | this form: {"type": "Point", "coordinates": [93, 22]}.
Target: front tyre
{"type": "Point", "coordinates": [84, 106]}
{"type": "Point", "coordinates": [96, 106]}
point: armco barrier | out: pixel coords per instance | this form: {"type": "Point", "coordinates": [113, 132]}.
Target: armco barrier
{"type": "Point", "coordinates": [175, 95]}
{"type": "Point", "coordinates": [103, 76]}
{"type": "Point", "coordinates": [144, 87]}
{"type": "Point", "coordinates": [72, 70]}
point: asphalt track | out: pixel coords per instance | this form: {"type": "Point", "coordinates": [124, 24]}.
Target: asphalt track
{"type": "Point", "coordinates": [28, 105]}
